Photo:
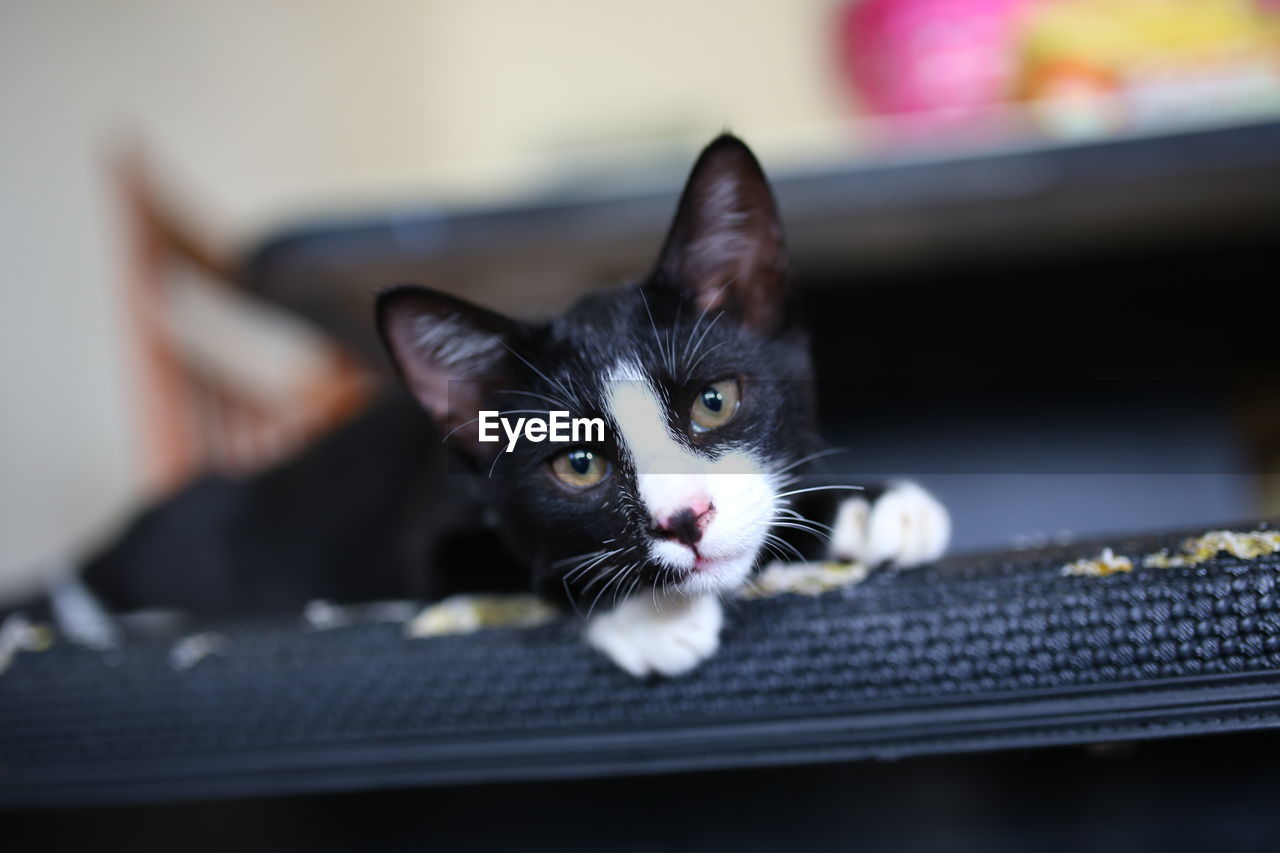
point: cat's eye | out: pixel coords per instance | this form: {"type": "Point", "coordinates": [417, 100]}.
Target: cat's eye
{"type": "Point", "coordinates": [715, 405]}
{"type": "Point", "coordinates": [580, 468]}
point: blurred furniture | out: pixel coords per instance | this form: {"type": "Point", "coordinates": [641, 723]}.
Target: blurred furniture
{"type": "Point", "coordinates": [225, 384]}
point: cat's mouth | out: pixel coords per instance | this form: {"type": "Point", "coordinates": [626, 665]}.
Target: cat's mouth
{"type": "Point", "coordinates": [716, 570]}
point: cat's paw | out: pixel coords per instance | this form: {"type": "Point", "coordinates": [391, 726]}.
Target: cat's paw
{"type": "Point", "coordinates": [906, 526]}
{"type": "Point", "coordinates": [670, 639]}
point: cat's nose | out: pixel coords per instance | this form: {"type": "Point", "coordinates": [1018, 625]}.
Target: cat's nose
{"type": "Point", "coordinates": [687, 525]}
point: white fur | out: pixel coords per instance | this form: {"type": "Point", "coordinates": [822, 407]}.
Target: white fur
{"type": "Point", "coordinates": [906, 526]}
{"type": "Point", "coordinates": [671, 477]}
{"type": "Point", "coordinates": [663, 635]}
{"type": "Point", "coordinates": [849, 530]}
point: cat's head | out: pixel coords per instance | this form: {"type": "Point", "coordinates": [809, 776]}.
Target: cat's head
{"type": "Point", "coordinates": [701, 377]}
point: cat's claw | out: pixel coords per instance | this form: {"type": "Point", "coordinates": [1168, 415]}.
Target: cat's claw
{"type": "Point", "coordinates": [906, 526]}
{"type": "Point", "coordinates": [670, 638]}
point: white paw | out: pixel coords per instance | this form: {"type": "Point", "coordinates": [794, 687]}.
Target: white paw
{"type": "Point", "coordinates": [906, 526]}
{"type": "Point", "coordinates": [670, 639]}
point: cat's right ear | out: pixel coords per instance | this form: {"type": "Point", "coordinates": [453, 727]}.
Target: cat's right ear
{"type": "Point", "coordinates": [452, 354]}
{"type": "Point", "coordinates": [725, 248]}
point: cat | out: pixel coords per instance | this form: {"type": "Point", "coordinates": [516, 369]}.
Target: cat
{"type": "Point", "coordinates": [701, 377]}
{"type": "Point", "coordinates": [702, 371]}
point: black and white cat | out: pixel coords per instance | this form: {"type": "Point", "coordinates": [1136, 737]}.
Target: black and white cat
{"type": "Point", "coordinates": [701, 376]}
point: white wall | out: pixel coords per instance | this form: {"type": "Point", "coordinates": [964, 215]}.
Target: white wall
{"type": "Point", "coordinates": [535, 76]}
{"type": "Point", "coordinates": [260, 108]}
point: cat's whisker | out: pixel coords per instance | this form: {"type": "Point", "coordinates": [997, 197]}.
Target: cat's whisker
{"type": "Point", "coordinates": [822, 489]}
{"type": "Point", "coordinates": [572, 599]}
{"type": "Point", "coordinates": [618, 588]}
{"type": "Point", "coordinates": [773, 552]}
{"type": "Point", "coordinates": [613, 579]}
{"type": "Point", "coordinates": [702, 338]}
{"type": "Point", "coordinates": [671, 337]}
{"type": "Point", "coordinates": [600, 574]}
{"type": "Point", "coordinates": [592, 562]}
{"type": "Point", "coordinates": [630, 589]}
{"type": "Point", "coordinates": [601, 568]}
{"type": "Point", "coordinates": [576, 557]}
{"type": "Point", "coordinates": [657, 338]}
{"type": "Point", "coordinates": [714, 300]}
{"type": "Point", "coordinates": [617, 575]}
{"type": "Point", "coordinates": [794, 517]}
{"type": "Point", "coordinates": [583, 567]}
{"type": "Point", "coordinates": [779, 542]}
{"type": "Point", "coordinates": [831, 451]}
{"type": "Point", "coordinates": [792, 526]}
{"type": "Point", "coordinates": [705, 353]}
{"type": "Point", "coordinates": [552, 382]}
{"type": "Point", "coordinates": [754, 587]}
{"type": "Point", "coordinates": [569, 575]}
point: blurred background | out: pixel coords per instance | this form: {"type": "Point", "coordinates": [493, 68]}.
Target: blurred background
{"type": "Point", "coordinates": [1037, 237]}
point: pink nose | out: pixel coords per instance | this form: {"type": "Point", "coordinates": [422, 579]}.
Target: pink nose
{"type": "Point", "coordinates": [687, 525]}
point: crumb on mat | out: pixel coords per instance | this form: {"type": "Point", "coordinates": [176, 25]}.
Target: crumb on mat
{"type": "Point", "coordinates": [803, 579]}
{"type": "Point", "coordinates": [1193, 552]}
{"type": "Point", "coordinates": [321, 615]}
{"type": "Point", "coordinates": [19, 634]}
{"type": "Point", "coordinates": [1106, 563]}
{"type": "Point", "coordinates": [1246, 546]}
{"type": "Point", "coordinates": [462, 614]}
{"type": "Point", "coordinates": [189, 651]}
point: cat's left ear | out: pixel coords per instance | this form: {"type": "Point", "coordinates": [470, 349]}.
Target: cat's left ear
{"type": "Point", "coordinates": [451, 353]}
{"type": "Point", "coordinates": [725, 247]}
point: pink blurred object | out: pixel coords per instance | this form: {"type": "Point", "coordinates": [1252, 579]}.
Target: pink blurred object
{"type": "Point", "coordinates": [930, 55]}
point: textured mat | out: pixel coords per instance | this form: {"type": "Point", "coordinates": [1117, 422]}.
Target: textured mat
{"type": "Point", "coordinates": [975, 653]}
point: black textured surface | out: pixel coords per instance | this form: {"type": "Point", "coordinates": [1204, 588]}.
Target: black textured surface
{"type": "Point", "coordinates": [971, 654]}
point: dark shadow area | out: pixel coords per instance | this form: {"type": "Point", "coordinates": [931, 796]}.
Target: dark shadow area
{"type": "Point", "coordinates": [1055, 394]}
{"type": "Point", "coordinates": [1211, 793]}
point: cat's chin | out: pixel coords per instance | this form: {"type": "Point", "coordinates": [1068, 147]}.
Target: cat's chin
{"type": "Point", "coordinates": [717, 575]}
{"type": "Point", "coordinates": [705, 573]}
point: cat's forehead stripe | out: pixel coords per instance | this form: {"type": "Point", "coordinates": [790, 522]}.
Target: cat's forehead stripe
{"type": "Point", "coordinates": [662, 463]}
{"type": "Point", "coordinates": [637, 411]}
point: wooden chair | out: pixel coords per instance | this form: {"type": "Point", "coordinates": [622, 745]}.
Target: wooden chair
{"type": "Point", "coordinates": [199, 408]}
